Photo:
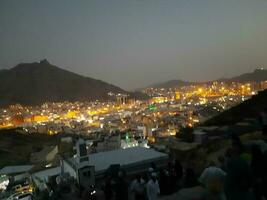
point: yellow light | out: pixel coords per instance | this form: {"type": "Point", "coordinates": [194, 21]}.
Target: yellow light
{"type": "Point", "coordinates": [200, 90]}
{"type": "Point", "coordinates": [31, 189]}
{"type": "Point", "coordinates": [151, 139]}
{"type": "Point", "coordinates": [71, 114]}
{"type": "Point", "coordinates": [39, 118]}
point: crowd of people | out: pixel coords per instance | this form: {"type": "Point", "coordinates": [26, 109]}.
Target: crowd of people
{"type": "Point", "coordinates": [246, 176]}
{"type": "Point", "coordinates": [239, 174]}
{"type": "Point", "coordinates": [149, 185]}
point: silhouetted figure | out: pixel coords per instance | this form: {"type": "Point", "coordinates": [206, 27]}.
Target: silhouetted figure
{"type": "Point", "coordinates": [222, 163]}
{"type": "Point", "coordinates": [108, 188]}
{"type": "Point", "coordinates": [238, 181]}
{"type": "Point", "coordinates": [164, 182]}
{"type": "Point", "coordinates": [265, 175]}
{"type": "Point", "coordinates": [138, 187]}
{"type": "Point", "coordinates": [263, 119]}
{"type": "Point", "coordinates": [146, 177]}
{"type": "Point", "coordinates": [171, 178]}
{"type": "Point", "coordinates": [237, 145]}
{"type": "Point", "coordinates": [121, 188]}
{"type": "Point", "coordinates": [152, 187]}
{"type": "Point", "coordinates": [258, 167]}
{"type": "Point", "coordinates": [257, 162]}
{"type": "Point", "coordinates": [153, 166]}
{"type": "Point", "coordinates": [149, 172]}
{"type": "Point", "coordinates": [178, 170]}
{"type": "Point", "coordinates": [190, 179]}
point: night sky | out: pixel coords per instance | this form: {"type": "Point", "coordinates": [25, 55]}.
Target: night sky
{"type": "Point", "coordinates": [134, 43]}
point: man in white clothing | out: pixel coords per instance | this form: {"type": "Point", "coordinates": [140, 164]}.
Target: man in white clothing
{"type": "Point", "coordinates": [212, 179]}
{"type": "Point", "coordinates": [152, 187]}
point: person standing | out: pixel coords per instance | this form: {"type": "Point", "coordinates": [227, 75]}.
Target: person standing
{"type": "Point", "coordinates": [138, 188]}
{"type": "Point", "coordinates": [258, 167]}
{"type": "Point", "coordinates": [121, 187]}
{"type": "Point", "coordinates": [108, 188]}
{"type": "Point", "coordinates": [239, 180]}
{"type": "Point", "coordinates": [152, 187]}
{"type": "Point", "coordinates": [212, 178]}
{"type": "Point", "coordinates": [263, 118]}
{"type": "Point", "coordinates": [190, 179]}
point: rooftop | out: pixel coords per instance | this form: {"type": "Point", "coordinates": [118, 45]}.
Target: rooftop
{"type": "Point", "coordinates": [48, 172]}
{"type": "Point", "coordinates": [134, 155]}
{"type": "Point", "coordinates": [15, 169]}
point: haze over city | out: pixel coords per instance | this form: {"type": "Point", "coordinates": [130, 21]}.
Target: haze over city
{"type": "Point", "coordinates": [136, 43]}
{"type": "Point", "coordinates": [133, 99]}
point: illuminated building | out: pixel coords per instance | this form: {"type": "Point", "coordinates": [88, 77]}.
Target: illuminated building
{"type": "Point", "coordinates": [263, 85]}
{"type": "Point", "coordinates": [79, 167]}
{"type": "Point", "coordinates": [177, 96]}
{"type": "Point", "coordinates": [159, 99]}
{"type": "Point", "coordinates": [121, 99]}
{"type": "Point", "coordinates": [39, 118]}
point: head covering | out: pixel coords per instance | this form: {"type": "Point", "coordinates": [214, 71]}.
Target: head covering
{"type": "Point", "coordinates": [154, 174]}
{"type": "Point", "coordinates": [150, 170]}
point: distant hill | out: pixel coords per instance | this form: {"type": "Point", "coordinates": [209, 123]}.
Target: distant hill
{"type": "Point", "coordinates": [250, 108]}
{"type": "Point", "coordinates": [39, 82]}
{"type": "Point", "coordinates": [170, 84]}
{"type": "Point", "coordinates": [255, 76]}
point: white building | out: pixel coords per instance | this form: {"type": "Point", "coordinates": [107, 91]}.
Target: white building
{"type": "Point", "coordinates": [79, 167]}
{"type": "Point", "coordinates": [132, 160]}
{"type": "Point", "coordinates": [86, 168]}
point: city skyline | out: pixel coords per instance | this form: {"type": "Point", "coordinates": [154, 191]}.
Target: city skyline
{"type": "Point", "coordinates": [133, 44]}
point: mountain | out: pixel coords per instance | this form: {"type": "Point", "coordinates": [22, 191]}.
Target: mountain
{"type": "Point", "coordinates": [170, 84]}
{"type": "Point", "coordinates": [257, 75]}
{"type": "Point", "coordinates": [39, 82]}
{"type": "Point", "coordinates": [250, 108]}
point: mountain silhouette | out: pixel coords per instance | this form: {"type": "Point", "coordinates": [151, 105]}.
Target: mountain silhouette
{"type": "Point", "coordinates": [170, 84]}
{"type": "Point", "coordinates": [256, 76]}
{"type": "Point", "coordinates": [39, 82]}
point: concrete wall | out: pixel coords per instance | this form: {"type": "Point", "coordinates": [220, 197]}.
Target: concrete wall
{"type": "Point", "coordinates": [67, 168]}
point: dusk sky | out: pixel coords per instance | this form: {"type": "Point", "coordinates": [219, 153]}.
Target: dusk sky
{"type": "Point", "coordinates": [134, 43]}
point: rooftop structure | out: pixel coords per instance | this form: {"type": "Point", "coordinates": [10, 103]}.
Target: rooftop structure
{"type": "Point", "coordinates": [132, 160]}
{"type": "Point", "coordinates": [16, 169]}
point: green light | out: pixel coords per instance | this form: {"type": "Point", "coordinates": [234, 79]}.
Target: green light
{"type": "Point", "coordinates": [152, 107]}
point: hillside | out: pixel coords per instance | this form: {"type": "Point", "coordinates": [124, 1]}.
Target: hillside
{"type": "Point", "coordinates": [36, 83]}
{"type": "Point", "coordinates": [256, 76]}
{"type": "Point", "coordinates": [170, 84]}
{"type": "Point", "coordinates": [250, 108]}
{"type": "Point", "coordinates": [16, 148]}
